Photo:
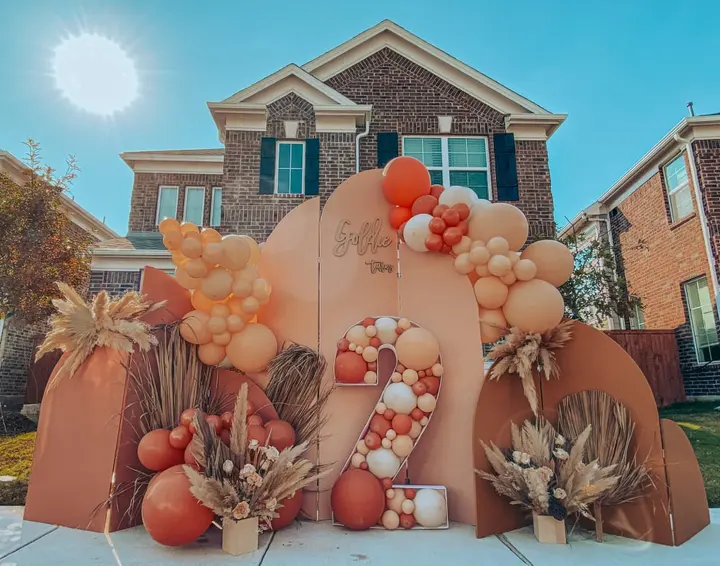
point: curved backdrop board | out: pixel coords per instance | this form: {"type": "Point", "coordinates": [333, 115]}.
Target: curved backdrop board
{"type": "Point", "coordinates": [437, 298]}
{"type": "Point", "coordinates": [358, 278]}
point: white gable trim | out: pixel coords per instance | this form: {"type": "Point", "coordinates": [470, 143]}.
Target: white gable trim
{"type": "Point", "coordinates": [389, 34]}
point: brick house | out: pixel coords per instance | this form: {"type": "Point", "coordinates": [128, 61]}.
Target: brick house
{"type": "Point", "coordinates": [662, 218]}
{"type": "Point", "coordinates": [17, 340]}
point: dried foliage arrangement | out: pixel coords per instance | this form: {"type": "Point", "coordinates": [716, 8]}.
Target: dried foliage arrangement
{"type": "Point", "coordinates": [78, 327]}
{"type": "Point", "coordinates": [545, 473]}
{"type": "Point", "coordinates": [246, 480]}
{"type": "Point", "coordinates": [296, 392]}
{"type": "Point", "coordinates": [609, 444]}
{"type": "Point", "coordinates": [521, 352]}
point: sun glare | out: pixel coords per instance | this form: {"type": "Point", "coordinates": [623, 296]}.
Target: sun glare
{"type": "Point", "coordinates": [95, 74]}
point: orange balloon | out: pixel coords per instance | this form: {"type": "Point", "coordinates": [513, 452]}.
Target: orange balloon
{"type": "Point", "coordinates": [194, 329]}
{"type": "Point", "coordinates": [350, 368]}
{"type": "Point", "coordinates": [236, 252]}
{"type": "Point", "coordinates": [212, 253]}
{"type": "Point", "coordinates": [288, 512]}
{"type": "Point", "coordinates": [187, 227]}
{"type": "Point", "coordinates": [399, 215]}
{"type": "Point", "coordinates": [404, 180]}
{"type": "Point", "coordinates": [201, 302]}
{"type": "Point", "coordinates": [498, 219]}
{"type": "Point", "coordinates": [417, 348]}
{"type": "Point", "coordinates": [490, 292]}
{"type": "Point", "coordinates": [424, 205]}
{"type": "Point", "coordinates": [533, 306]}
{"type": "Point", "coordinates": [178, 259]}
{"type": "Point", "coordinates": [402, 424]}
{"type": "Point", "coordinates": [261, 290]}
{"type": "Point", "coordinates": [168, 225]}
{"type": "Point", "coordinates": [171, 514]}
{"type": "Point", "coordinates": [210, 235]}
{"type": "Point", "coordinates": [196, 268]}
{"type": "Point", "coordinates": [357, 500]}
{"type": "Point", "coordinates": [281, 434]}
{"type": "Point", "coordinates": [217, 284]}
{"type": "Point", "coordinates": [252, 349]}
{"type": "Point", "coordinates": [254, 250]}
{"type": "Point", "coordinates": [172, 240]}
{"type": "Point", "coordinates": [156, 453]}
{"type": "Point", "coordinates": [191, 248]}
{"type": "Point", "coordinates": [436, 190]}
{"type": "Point", "coordinates": [211, 354]}
{"type": "Point", "coordinates": [554, 261]}
{"type": "Point", "coordinates": [525, 269]}
{"type": "Point", "coordinates": [492, 325]}
{"type": "Point", "coordinates": [185, 280]}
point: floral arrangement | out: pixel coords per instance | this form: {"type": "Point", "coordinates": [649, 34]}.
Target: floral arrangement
{"type": "Point", "coordinates": [245, 479]}
{"type": "Point", "coordinates": [545, 473]}
{"type": "Point", "coordinates": [521, 352]}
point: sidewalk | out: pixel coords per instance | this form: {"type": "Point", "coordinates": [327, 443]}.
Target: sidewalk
{"type": "Point", "coordinates": [320, 544]}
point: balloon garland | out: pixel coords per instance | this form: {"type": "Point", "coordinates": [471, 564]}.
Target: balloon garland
{"type": "Point", "coordinates": [513, 289]}
{"type": "Point", "coordinates": [226, 290]}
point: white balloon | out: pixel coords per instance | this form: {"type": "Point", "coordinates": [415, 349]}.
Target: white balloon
{"type": "Point", "coordinates": [457, 195]}
{"type": "Point", "coordinates": [386, 328]}
{"type": "Point", "coordinates": [416, 230]}
{"type": "Point", "coordinates": [400, 398]}
{"type": "Point", "coordinates": [383, 463]}
{"type": "Point", "coordinates": [430, 508]}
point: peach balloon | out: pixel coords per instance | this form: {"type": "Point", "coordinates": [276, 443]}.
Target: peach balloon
{"type": "Point", "coordinates": [191, 248]}
{"type": "Point", "coordinates": [235, 323]}
{"type": "Point", "coordinates": [242, 287]}
{"type": "Point", "coordinates": [498, 245]}
{"type": "Point", "coordinates": [193, 327]}
{"type": "Point", "coordinates": [196, 268]}
{"type": "Point", "coordinates": [417, 348]}
{"type": "Point", "coordinates": [168, 225]}
{"type": "Point", "coordinates": [222, 339]}
{"type": "Point", "coordinates": [173, 240]}
{"type": "Point", "coordinates": [187, 227]}
{"type": "Point", "coordinates": [554, 261]}
{"type": "Point", "coordinates": [499, 265]}
{"type": "Point", "coordinates": [533, 306]}
{"type": "Point", "coordinates": [509, 278]}
{"type": "Point", "coordinates": [179, 259]}
{"type": "Point", "coordinates": [212, 253]}
{"type": "Point", "coordinates": [490, 292]}
{"type": "Point", "coordinates": [261, 290]}
{"type": "Point", "coordinates": [182, 277]}
{"type": "Point", "coordinates": [236, 252]}
{"type": "Point", "coordinates": [499, 219]}
{"type": "Point", "coordinates": [525, 269]}
{"type": "Point", "coordinates": [479, 255]}
{"type": "Point", "coordinates": [200, 301]}
{"type": "Point", "coordinates": [463, 265]}
{"type": "Point", "coordinates": [211, 354]}
{"type": "Point", "coordinates": [254, 250]}
{"type": "Point", "coordinates": [217, 325]}
{"type": "Point", "coordinates": [217, 284]}
{"type": "Point", "coordinates": [252, 349]}
{"type": "Point", "coordinates": [492, 325]}
{"type": "Point", "coordinates": [210, 235]}
{"type": "Point", "coordinates": [250, 305]}
{"type": "Point", "coordinates": [192, 236]}
{"type": "Point", "coordinates": [220, 310]}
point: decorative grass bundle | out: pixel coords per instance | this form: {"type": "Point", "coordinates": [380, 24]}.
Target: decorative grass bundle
{"type": "Point", "coordinates": [79, 327]}
{"type": "Point", "coordinates": [609, 444]}
{"type": "Point", "coordinates": [246, 480]}
{"type": "Point", "coordinates": [296, 392]}
{"type": "Point", "coordinates": [521, 352]}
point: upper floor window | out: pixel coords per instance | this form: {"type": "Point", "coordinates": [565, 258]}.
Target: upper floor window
{"type": "Point", "coordinates": [702, 320]}
{"type": "Point", "coordinates": [637, 319]}
{"type": "Point", "coordinates": [194, 205]}
{"type": "Point", "coordinates": [167, 203]}
{"type": "Point", "coordinates": [453, 161]}
{"type": "Point", "coordinates": [678, 189]}
{"type": "Point", "coordinates": [290, 168]}
{"type": "Point", "coordinates": [216, 207]}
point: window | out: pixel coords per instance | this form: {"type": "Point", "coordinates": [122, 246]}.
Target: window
{"type": "Point", "coordinates": [453, 161]}
{"type": "Point", "coordinates": [289, 175]}
{"type": "Point", "coordinates": [167, 203]}
{"type": "Point", "coordinates": [216, 207]}
{"type": "Point", "coordinates": [678, 189]}
{"type": "Point", "coordinates": [637, 319]}
{"type": "Point", "coordinates": [702, 320]}
{"type": "Point", "coordinates": [194, 205]}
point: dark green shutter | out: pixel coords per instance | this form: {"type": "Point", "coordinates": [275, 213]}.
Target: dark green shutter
{"type": "Point", "coordinates": [387, 147]}
{"type": "Point", "coordinates": [506, 167]}
{"type": "Point", "coordinates": [312, 166]}
{"type": "Point", "coordinates": [267, 166]}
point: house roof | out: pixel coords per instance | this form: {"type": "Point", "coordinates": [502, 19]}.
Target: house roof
{"type": "Point", "coordinates": [204, 161]}
{"type": "Point", "coordinates": [76, 213]}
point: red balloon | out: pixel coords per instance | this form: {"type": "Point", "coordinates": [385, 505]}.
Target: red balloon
{"type": "Point", "coordinates": [410, 493]}
{"type": "Point", "coordinates": [350, 368]}
{"type": "Point", "coordinates": [214, 422]}
{"type": "Point", "coordinates": [463, 227]}
{"type": "Point", "coordinates": [187, 416]}
{"type": "Point", "coordinates": [407, 521]}
{"type": "Point", "coordinates": [156, 453]}
{"type": "Point", "coordinates": [432, 383]}
{"type": "Point", "coordinates": [250, 408]}
{"type": "Point", "coordinates": [416, 414]}
{"type": "Point", "coordinates": [372, 440]}
{"type": "Point", "coordinates": [451, 217]}
{"type": "Point", "coordinates": [375, 342]}
{"type": "Point", "coordinates": [255, 420]}
{"type": "Point", "coordinates": [369, 321]}
{"type": "Point", "coordinates": [372, 366]}
{"type": "Point", "coordinates": [171, 514]}
{"type": "Point", "coordinates": [281, 434]}
{"type": "Point", "coordinates": [446, 249]}
{"type": "Point", "coordinates": [389, 414]}
{"type": "Point", "coordinates": [227, 419]}
{"type": "Point", "coordinates": [357, 500]}
{"type": "Point", "coordinates": [379, 425]}
{"type": "Point", "coordinates": [386, 483]}
{"type": "Point", "coordinates": [402, 424]}
{"type": "Point", "coordinates": [419, 388]}
{"type": "Point", "coordinates": [423, 205]}
{"type": "Point", "coordinates": [404, 180]}
{"type": "Point", "coordinates": [439, 210]}
{"type": "Point", "coordinates": [180, 437]}
{"type": "Point", "coordinates": [399, 215]}
{"type": "Point", "coordinates": [452, 236]}
{"type": "Point", "coordinates": [434, 242]}
{"type": "Point", "coordinates": [463, 210]}
{"type": "Point", "coordinates": [288, 512]}
{"type": "Point", "coordinates": [343, 344]}
{"type": "Point", "coordinates": [437, 226]}
{"type": "Point", "coordinates": [255, 432]}
{"type": "Point", "coordinates": [189, 459]}
{"type": "Point", "coordinates": [436, 190]}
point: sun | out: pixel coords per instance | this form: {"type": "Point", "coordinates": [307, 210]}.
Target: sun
{"type": "Point", "coordinates": [95, 74]}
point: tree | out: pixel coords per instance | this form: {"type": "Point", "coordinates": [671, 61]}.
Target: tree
{"type": "Point", "coordinates": [39, 245]}
{"type": "Point", "coordinates": [595, 290]}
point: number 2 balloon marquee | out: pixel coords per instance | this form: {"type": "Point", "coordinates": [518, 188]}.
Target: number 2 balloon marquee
{"type": "Point", "coordinates": [512, 289]}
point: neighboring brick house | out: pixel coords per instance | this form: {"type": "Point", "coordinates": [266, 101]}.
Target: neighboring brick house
{"type": "Point", "coordinates": [667, 246]}
{"type": "Point", "coordinates": [17, 340]}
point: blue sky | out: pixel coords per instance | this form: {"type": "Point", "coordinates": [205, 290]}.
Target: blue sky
{"type": "Point", "coordinates": [622, 70]}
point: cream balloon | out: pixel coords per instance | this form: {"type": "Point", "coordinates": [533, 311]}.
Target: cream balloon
{"type": "Point", "coordinates": [254, 250]}
{"type": "Point", "coordinates": [430, 508]}
{"type": "Point", "coordinates": [416, 230]}
{"type": "Point", "coordinates": [252, 349]}
{"type": "Point", "coordinates": [525, 269]}
{"type": "Point", "coordinates": [458, 195]}
{"type": "Point", "coordinates": [383, 463]}
{"type": "Point", "coordinates": [499, 219]}
{"type": "Point", "coordinates": [402, 445]}
{"type": "Point", "coordinates": [554, 261]}
{"type": "Point", "coordinates": [533, 306]}
{"type": "Point", "coordinates": [463, 246]}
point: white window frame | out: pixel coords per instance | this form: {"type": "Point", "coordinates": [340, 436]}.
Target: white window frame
{"type": "Point", "coordinates": [212, 205]}
{"type": "Point", "coordinates": [445, 155]}
{"type": "Point", "coordinates": [690, 319]}
{"type": "Point", "coordinates": [277, 165]}
{"type": "Point", "coordinates": [202, 215]}
{"type": "Point", "coordinates": [679, 188]}
{"type": "Point", "coordinates": [159, 194]}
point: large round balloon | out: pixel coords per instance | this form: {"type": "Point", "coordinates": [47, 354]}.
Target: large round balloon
{"type": "Point", "coordinates": [194, 327]}
{"type": "Point", "coordinates": [252, 349]}
{"type": "Point", "coordinates": [533, 306]}
{"type": "Point", "coordinates": [236, 252]}
{"type": "Point", "coordinates": [350, 367]}
{"type": "Point", "coordinates": [498, 219]}
{"type": "Point", "coordinates": [288, 512]}
{"type": "Point", "coordinates": [357, 500]}
{"type": "Point", "coordinates": [416, 231]}
{"type": "Point", "coordinates": [405, 179]}
{"type": "Point", "coordinates": [211, 354]}
{"type": "Point", "coordinates": [281, 434]}
{"type": "Point", "coordinates": [458, 195]}
{"type": "Point", "coordinates": [554, 261]}
{"type": "Point", "coordinates": [417, 348]}
{"type": "Point", "coordinates": [171, 514]}
{"type": "Point", "coordinates": [156, 453]}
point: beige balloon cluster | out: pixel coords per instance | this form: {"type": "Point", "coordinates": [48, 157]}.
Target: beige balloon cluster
{"type": "Point", "coordinates": [513, 289]}
{"type": "Point", "coordinates": [226, 290]}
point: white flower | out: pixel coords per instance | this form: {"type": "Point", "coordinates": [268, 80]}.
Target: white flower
{"type": "Point", "coordinates": [525, 458]}
{"type": "Point", "coordinates": [545, 473]}
{"type": "Point", "coordinates": [241, 511]}
{"type": "Point", "coordinates": [254, 480]}
{"type": "Point", "coordinates": [248, 469]}
{"type": "Point", "coordinates": [559, 440]}
{"type": "Point", "coordinates": [272, 453]}
{"type": "Point", "coordinates": [271, 503]}
{"type": "Point", "coordinates": [228, 466]}
{"type": "Point", "coordinates": [515, 466]}
{"type": "Point", "coordinates": [559, 493]}
{"type": "Point", "coordinates": [560, 454]}
{"type": "Point", "coordinates": [516, 456]}
{"type": "Point", "coordinates": [253, 444]}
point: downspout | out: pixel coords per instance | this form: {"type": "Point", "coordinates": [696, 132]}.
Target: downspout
{"type": "Point", "coordinates": [701, 214]}
{"type": "Point", "coordinates": [357, 142]}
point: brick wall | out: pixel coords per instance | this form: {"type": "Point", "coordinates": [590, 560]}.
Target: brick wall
{"type": "Point", "coordinates": [16, 351]}
{"type": "Point", "coordinates": [657, 258]}
{"type": "Point", "coordinates": [114, 282]}
{"type": "Point", "coordinates": [707, 164]}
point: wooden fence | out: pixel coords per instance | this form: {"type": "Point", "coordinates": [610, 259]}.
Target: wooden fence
{"type": "Point", "coordinates": [656, 352]}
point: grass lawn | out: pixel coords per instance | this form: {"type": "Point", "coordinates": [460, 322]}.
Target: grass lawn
{"type": "Point", "coordinates": [16, 454]}
{"type": "Point", "coordinates": [701, 423]}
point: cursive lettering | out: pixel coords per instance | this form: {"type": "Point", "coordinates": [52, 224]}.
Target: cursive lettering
{"type": "Point", "coordinates": [379, 267]}
{"type": "Point", "coordinates": [367, 237]}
